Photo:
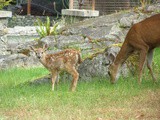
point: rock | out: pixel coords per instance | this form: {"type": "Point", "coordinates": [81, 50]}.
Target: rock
{"type": "Point", "coordinates": [128, 20]}
{"type": "Point", "coordinates": [125, 22]}
{"type": "Point", "coordinates": [17, 60]}
{"type": "Point", "coordinates": [116, 34]}
{"type": "Point", "coordinates": [152, 8]}
{"type": "Point", "coordinates": [20, 30]}
{"type": "Point", "coordinates": [94, 27]}
{"type": "Point", "coordinates": [41, 80]}
{"type": "Point", "coordinates": [3, 47]}
{"type": "Point", "coordinates": [62, 41]}
{"type": "Point", "coordinates": [97, 67]}
{"type": "Point", "coordinates": [111, 53]}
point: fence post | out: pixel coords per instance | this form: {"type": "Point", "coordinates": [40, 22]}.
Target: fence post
{"type": "Point", "coordinates": [70, 4]}
{"type": "Point", "coordinates": [93, 4]}
{"type": "Point", "coordinates": [29, 7]}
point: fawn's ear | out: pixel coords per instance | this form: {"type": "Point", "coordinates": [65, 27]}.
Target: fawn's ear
{"type": "Point", "coordinates": [45, 47]}
{"type": "Point", "coordinates": [32, 48]}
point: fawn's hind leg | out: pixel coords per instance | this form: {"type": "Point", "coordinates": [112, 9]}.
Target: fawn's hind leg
{"type": "Point", "coordinates": [75, 75]}
{"type": "Point", "coordinates": [72, 70]}
{"type": "Point", "coordinates": [54, 77]}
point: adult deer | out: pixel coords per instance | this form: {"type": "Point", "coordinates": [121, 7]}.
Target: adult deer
{"type": "Point", "coordinates": [143, 37]}
{"type": "Point", "coordinates": [67, 60]}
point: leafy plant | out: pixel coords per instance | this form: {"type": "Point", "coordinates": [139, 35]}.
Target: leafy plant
{"type": "Point", "coordinates": [45, 29]}
{"type": "Point", "coordinates": [4, 3]}
{"type": "Point", "coordinates": [144, 3]}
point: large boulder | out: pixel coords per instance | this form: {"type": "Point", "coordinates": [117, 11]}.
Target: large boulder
{"type": "Point", "coordinates": [17, 60]}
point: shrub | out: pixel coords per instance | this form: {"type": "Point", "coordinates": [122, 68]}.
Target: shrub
{"type": "Point", "coordinates": [45, 29]}
{"type": "Point", "coordinates": [4, 3]}
{"type": "Point", "coordinates": [144, 3]}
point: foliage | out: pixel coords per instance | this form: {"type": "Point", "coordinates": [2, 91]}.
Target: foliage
{"type": "Point", "coordinates": [4, 3]}
{"type": "Point", "coordinates": [45, 29]}
{"type": "Point", "coordinates": [144, 3]}
{"type": "Point", "coordinates": [143, 6]}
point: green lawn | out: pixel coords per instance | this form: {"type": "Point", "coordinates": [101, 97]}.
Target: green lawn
{"type": "Point", "coordinates": [93, 100]}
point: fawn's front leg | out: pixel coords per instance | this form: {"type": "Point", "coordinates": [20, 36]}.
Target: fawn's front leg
{"type": "Point", "coordinates": [54, 76]}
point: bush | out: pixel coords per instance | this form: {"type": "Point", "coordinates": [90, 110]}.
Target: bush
{"type": "Point", "coordinates": [4, 3]}
{"type": "Point", "coordinates": [144, 3]}
{"type": "Point", "coordinates": [45, 29]}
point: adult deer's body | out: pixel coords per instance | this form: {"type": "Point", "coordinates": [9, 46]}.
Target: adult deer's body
{"type": "Point", "coordinates": [66, 60]}
{"type": "Point", "coordinates": [143, 37]}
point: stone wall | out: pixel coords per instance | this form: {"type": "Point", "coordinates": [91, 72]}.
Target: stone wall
{"type": "Point", "coordinates": [16, 42]}
{"type": "Point", "coordinates": [4, 16]}
{"type": "Point", "coordinates": [91, 36]}
{"type": "Point", "coordinates": [18, 20]}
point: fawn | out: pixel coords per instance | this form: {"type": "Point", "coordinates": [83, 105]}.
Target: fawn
{"type": "Point", "coordinates": [67, 60]}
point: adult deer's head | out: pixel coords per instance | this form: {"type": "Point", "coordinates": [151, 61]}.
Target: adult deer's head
{"type": "Point", "coordinates": [112, 70]}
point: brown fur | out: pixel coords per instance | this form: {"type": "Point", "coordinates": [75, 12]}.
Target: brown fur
{"type": "Point", "coordinates": [143, 37]}
{"type": "Point", "coordinates": [66, 60]}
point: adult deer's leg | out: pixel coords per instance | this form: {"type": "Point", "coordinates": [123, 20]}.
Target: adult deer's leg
{"type": "Point", "coordinates": [149, 63]}
{"type": "Point", "coordinates": [142, 58]}
{"type": "Point", "coordinates": [72, 70]}
{"type": "Point", "coordinates": [54, 76]}
{"type": "Point", "coordinates": [143, 48]}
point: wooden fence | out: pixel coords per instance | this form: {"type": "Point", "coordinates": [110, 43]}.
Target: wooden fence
{"type": "Point", "coordinates": [108, 6]}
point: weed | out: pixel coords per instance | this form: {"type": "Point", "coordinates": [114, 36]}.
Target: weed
{"type": "Point", "coordinates": [44, 29]}
{"type": "Point", "coordinates": [4, 3]}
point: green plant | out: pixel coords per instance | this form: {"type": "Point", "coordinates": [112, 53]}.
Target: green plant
{"type": "Point", "coordinates": [4, 3]}
{"type": "Point", "coordinates": [45, 29]}
{"type": "Point", "coordinates": [144, 3]}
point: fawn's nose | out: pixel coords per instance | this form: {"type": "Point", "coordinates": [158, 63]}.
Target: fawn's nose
{"type": "Point", "coordinates": [38, 56]}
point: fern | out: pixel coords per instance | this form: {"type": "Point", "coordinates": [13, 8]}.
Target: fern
{"type": "Point", "coordinates": [47, 25]}
{"type": "Point", "coordinates": [144, 3]}
{"type": "Point", "coordinates": [41, 29]}
{"type": "Point", "coordinates": [54, 29]}
{"type": "Point", "coordinates": [44, 29]}
{"type": "Point", "coordinates": [4, 3]}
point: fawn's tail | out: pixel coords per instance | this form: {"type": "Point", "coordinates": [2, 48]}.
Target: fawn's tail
{"type": "Point", "coordinates": [79, 58]}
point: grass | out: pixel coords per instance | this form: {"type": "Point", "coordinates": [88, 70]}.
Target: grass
{"type": "Point", "coordinates": [93, 100]}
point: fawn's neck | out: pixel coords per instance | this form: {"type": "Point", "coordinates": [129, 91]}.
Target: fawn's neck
{"type": "Point", "coordinates": [43, 60]}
